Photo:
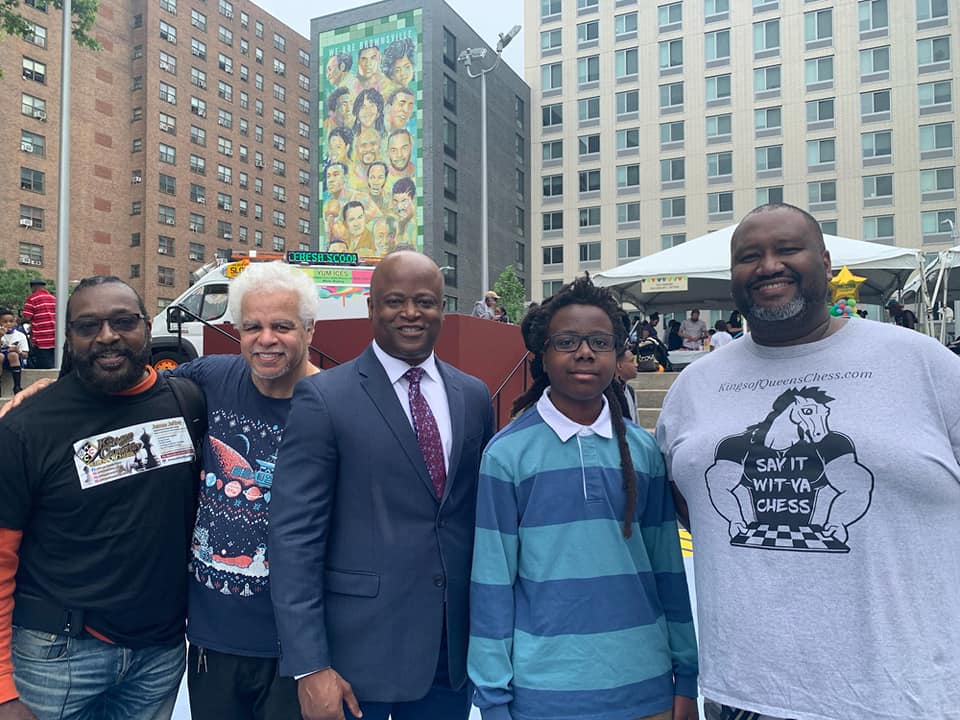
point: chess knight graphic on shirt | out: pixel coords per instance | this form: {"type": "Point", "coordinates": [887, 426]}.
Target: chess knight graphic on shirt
{"type": "Point", "coordinates": [790, 482]}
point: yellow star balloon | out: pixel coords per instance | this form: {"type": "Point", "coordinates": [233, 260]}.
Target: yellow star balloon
{"type": "Point", "coordinates": [846, 285]}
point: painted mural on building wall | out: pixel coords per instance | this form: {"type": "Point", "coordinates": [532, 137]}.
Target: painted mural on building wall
{"type": "Point", "coordinates": [371, 156]}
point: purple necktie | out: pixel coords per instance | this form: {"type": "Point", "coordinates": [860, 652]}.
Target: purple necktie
{"type": "Point", "coordinates": [428, 434]}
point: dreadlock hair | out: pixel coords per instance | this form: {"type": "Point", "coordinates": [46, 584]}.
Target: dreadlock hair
{"type": "Point", "coordinates": [535, 329]}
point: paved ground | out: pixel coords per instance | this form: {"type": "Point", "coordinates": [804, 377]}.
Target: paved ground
{"type": "Point", "coordinates": [183, 712]}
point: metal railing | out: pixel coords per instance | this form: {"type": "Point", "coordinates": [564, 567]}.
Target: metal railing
{"type": "Point", "coordinates": [324, 358]}
{"type": "Point", "coordinates": [521, 366]}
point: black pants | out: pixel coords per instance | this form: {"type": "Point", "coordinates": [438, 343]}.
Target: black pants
{"type": "Point", "coordinates": [42, 358]}
{"type": "Point", "coordinates": [239, 688]}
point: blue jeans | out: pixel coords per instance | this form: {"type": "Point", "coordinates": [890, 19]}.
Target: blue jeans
{"type": "Point", "coordinates": [81, 678]}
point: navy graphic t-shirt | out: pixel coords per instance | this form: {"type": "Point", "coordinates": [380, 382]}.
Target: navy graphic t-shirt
{"type": "Point", "coordinates": [229, 608]}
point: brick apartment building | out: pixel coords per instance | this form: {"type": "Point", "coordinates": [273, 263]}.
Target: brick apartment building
{"type": "Point", "coordinates": [189, 134]}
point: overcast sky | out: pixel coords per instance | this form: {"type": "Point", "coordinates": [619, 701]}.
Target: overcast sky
{"type": "Point", "coordinates": [488, 17]}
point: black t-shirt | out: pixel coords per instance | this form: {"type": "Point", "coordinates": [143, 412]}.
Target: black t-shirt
{"type": "Point", "coordinates": [103, 488]}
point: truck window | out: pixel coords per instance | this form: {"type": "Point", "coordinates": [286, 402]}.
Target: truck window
{"type": "Point", "coordinates": [214, 302]}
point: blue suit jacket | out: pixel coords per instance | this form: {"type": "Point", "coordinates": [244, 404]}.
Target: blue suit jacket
{"type": "Point", "coordinates": [362, 554]}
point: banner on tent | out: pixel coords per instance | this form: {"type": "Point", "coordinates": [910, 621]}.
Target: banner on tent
{"type": "Point", "coordinates": [664, 283]}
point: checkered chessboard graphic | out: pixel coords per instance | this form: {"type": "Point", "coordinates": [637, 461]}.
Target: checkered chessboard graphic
{"type": "Point", "coordinates": [802, 538]}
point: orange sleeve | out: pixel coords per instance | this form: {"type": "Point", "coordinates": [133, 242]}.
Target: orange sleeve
{"type": "Point", "coordinates": [9, 559]}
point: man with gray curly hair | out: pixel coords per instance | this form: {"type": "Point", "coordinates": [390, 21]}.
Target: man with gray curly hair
{"type": "Point", "coordinates": [232, 668]}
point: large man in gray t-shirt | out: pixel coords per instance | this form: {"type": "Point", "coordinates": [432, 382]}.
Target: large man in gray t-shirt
{"type": "Point", "coordinates": [818, 461]}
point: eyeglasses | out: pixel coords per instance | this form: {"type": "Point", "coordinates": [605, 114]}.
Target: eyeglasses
{"type": "Point", "coordinates": [570, 342]}
{"type": "Point", "coordinates": [89, 327]}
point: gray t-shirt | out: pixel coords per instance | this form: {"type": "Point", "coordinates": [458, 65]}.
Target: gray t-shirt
{"type": "Point", "coordinates": [823, 485]}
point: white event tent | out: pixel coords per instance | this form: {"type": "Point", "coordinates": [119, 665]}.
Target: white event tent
{"type": "Point", "coordinates": [705, 263]}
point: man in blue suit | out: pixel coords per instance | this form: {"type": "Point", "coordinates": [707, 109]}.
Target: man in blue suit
{"type": "Point", "coordinates": [372, 516]}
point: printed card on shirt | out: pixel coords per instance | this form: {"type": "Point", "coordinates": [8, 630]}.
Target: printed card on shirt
{"type": "Point", "coordinates": [132, 450]}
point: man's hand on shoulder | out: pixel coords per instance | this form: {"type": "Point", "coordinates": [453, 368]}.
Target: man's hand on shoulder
{"type": "Point", "coordinates": [684, 708]}
{"type": "Point", "coordinates": [323, 694]}
{"type": "Point", "coordinates": [28, 392]}
{"type": "Point", "coordinates": [16, 710]}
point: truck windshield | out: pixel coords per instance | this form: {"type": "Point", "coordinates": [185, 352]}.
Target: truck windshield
{"type": "Point", "coordinates": [207, 301]}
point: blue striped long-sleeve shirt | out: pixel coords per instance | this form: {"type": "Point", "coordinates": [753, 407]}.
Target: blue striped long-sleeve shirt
{"type": "Point", "coordinates": [568, 618]}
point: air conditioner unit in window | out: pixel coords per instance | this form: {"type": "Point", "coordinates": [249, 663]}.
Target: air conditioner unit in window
{"type": "Point", "coordinates": [221, 122]}
{"type": "Point", "coordinates": [201, 112]}
{"type": "Point", "coordinates": [202, 200]}
{"type": "Point", "coordinates": [26, 146]}
{"type": "Point", "coordinates": [228, 207]}
{"type": "Point", "coordinates": [282, 73]}
{"type": "Point", "coordinates": [228, 15]}
{"type": "Point", "coordinates": [169, 221]}
{"type": "Point", "coordinates": [27, 260]}
{"type": "Point", "coordinates": [165, 66]}
{"type": "Point", "coordinates": [259, 163]}
{"type": "Point", "coordinates": [227, 236]}
{"type": "Point", "coordinates": [194, 227]}
{"type": "Point", "coordinates": [26, 222]}
{"type": "Point", "coordinates": [41, 115]}
{"type": "Point", "coordinates": [202, 84]}
{"type": "Point", "coordinates": [165, 128]}
{"type": "Point", "coordinates": [137, 179]}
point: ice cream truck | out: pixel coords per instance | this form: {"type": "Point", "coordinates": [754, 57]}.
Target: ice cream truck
{"type": "Point", "coordinates": [342, 281]}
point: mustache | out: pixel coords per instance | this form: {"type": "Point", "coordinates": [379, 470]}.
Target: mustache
{"type": "Point", "coordinates": [102, 352]}
{"type": "Point", "coordinates": [796, 277]}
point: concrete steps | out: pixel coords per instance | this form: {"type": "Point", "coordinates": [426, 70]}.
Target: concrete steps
{"type": "Point", "coordinates": [651, 389]}
{"type": "Point", "coordinates": [27, 378]}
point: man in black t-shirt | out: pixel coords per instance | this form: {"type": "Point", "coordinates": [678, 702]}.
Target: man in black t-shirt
{"type": "Point", "coordinates": [901, 316]}
{"type": "Point", "coordinates": [99, 488]}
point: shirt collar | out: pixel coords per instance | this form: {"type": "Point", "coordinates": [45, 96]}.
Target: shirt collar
{"type": "Point", "coordinates": [395, 367]}
{"type": "Point", "coordinates": [565, 428]}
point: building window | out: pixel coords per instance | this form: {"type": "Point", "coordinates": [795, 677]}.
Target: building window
{"type": "Point", "coordinates": [553, 255]}
{"type": "Point", "coordinates": [766, 37]}
{"type": "Point", "coordinates": [548, 8]}
{"type": "Point", "coordinates": [933, 53]}
{"type": "Point", "coordinates": [766, 79]}
{"type": "Point", "coordinates": [553, 150]}
{"type": "Point", "coordinates": [718, 87]}
{"type": "Point", "coordinates": [673, 208]}
{"type": "Point", "coordinates": [589, 252]}
{"type": "Point", "coordinates": [818, 27]}
{"type": "Point", "coordinates": [824, 191]}
{"type": "Point", "coordinates": [935, 95]}
{"type": "Point", "coordinates": [135, 239]}
{"type": "Point", "coordinates": [33, 144]}
{"type": "Point", "coordinates": [878, 228]}
{"type": "Point", "coordinates": [168, 32]}
{"type": "Point", "coordinates": [587, 4]}
{"type": "Point", "coordinates": [878, 187]}
{"type": "Point", "coordinates": [552, 115]}
{"type": "Point", "coordinates": [818, 70]}
{"type": "Point", "coordinates": [771, 194]}
{"type": "Point", "coordinates": [874, 102]}
{"type": "Point", "coordinates": [588, 70]}
{"type": "Point", "coordinates": [769, 157]}
{"type": "Point", "coordinates": [667, 16]}
{"type": "Point", "coordinates": [876, 144]}
{"type": "Point", "coordinates": [588, 32]}
{"type": "Point", "coordinates": [33, 107]}
{"type": "Point", "coordinates": [197, 252]}
{"type": "Point", "coordinates": [672, 170]}
{"type": "Point", "coordinates": [31, 180]}
{"type": "Point", "coordinates": [937, 223]}
{"type": "Point", "coordinates": [553, 186]}
{"type": "Point", "coordinates": [820, 111]}
{"type": "Point", "coordinates": [34, 70]}
{"type": "Point", "coordinates": [168, 154]}
{"type": "Point", "coordinates": [169, 5]}
{"type": "Point", "coordinates": [671, 54]}
{"type": "Point", "coordinates": [165, 245]}
{"type": "Point", "coordinates": [628, 102]}
{"type": "Point", "coordinates": [449, 182]}
{"type": "Point", "coordinates": [450, 269]}
{"type": "Point", "coordinates": [168, 63]}
{"type": "Point", "coordinates": [713, 8]}
{"type": "Point", "coordinates": [31, 217]}
{"type": "Point", "coordinates": [198, 20]}
{"type": "Point", "coordinates": [588, 145]}
{"type": "Point", "coordinates": [588, 109]}
{"type": "Point", "coordinates": [672, 132]}
{"type": "Point", "coordinates": [821, 152]}
{"type": "Point", "coordinates": [932, 9]}
{"type": "Point", "coordinates": [625, 25]}
{"type": "Point", "coordinates": [671, 96]}
{"type": "Point", "coordinates": [628, 139]}
{"type": "Point", "coordinates": [719, 203]}
{"type": "Point", "coordinates": [450, 48]}
{"type": "Point", "coordinates": [625, 63]}
{"type": "Point", "coordinates": [628, 176]}
{"type": "Point", "coordinates": [589, 218]}
{"type": "Point", "coordinates": [873, 61]}
{"type": "Point", "coordinates": [449, 225]}
{"type": "Point", "coordinates": [873, 15]}
{"type": "Point", "coordinates": [551, 287]}
{"type": "Point", "coordinates": [198, 49]}
{"type": "Point", "coordinates": [449, 93]}
{"type": "Point", "coordinates": [938, 180]}
{"type": "Point", "coordinates": [135, 270]}
{"type": "Point", "coordinates": [717, 45]}
{"type": "Point", "coordinates": [166, 276]}
{"type": "Point", "coordinates": [553, 221]}
{"type": "Point", "coordinates": [672, 240]}
{"type": "Point", "coordinates": [167, 184]}
{"type": "Point", "coordinates": [720, 165]}
{"type": "Point", "coordinates": [225, 35]}
{"type": "Point", "coordinates": [589, 181]}
{"type": "Point", "coordinates": [768, 118]}
{"type": "Point", "coordinates": [168, 93]}
{"type": "Point", "coordinates": [37, 35]}
{"type": "Point", "coordinates": [166, 215]}
{"type": "Point", "coordinates": [551, 76]}
{"type": "Point", "coordinates": [628, 213]}
{"type": "Point", "coordinates": [936, 137]}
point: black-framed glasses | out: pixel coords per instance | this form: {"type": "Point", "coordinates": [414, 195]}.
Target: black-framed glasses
{"type": "Point", "coordinates": [89, 327]}
{"type": "Point", "coordinates": [570, 342]}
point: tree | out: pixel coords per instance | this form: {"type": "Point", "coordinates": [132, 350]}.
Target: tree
{"type": "Point", "coordinates": [15, 286]}
{"type": "Point", "coordinates": [84, 12]}
{"type": "Point", "coordinates": [512, 293]}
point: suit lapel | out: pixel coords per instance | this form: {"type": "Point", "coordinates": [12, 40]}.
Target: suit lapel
{"type": "Point", "coordinates": [374, 381]}
{"type": "Point", "coordinates": [455, 401]}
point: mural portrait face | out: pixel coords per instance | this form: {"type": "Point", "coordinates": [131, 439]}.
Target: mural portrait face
{"type": "Point", "coordinates": [336, 149]}
{"type": "Point", "coordinates": [368, 64]}
{"type": "Point", "coordinates": [367, 114]}
{"type": "Point", "coordinates": [355, 218]}
{"type": "Point", "coordinates": [334, 179]}
{"type": "Point", "coordinates": [376, 179]}
{"type": "Point", "coordinates": [398, 149]}
{"type": "Point", "coordinates": [334, 72]}
{"type": "Point", "coordinates": [403, 206]}
{"type": "Point", "coordinates": [368, 147]}
{"type": "Point", "coordinates": [381, 233]}
{"type": "Point", "coordinates": [402, 72]}
{"type": "Point", "coordinates": [344, 113]}
{"type": "Point", "coordinates": [401, 109]}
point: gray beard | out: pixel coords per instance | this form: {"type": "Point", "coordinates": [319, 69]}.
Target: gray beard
{"type": "Point", "coordinates": [780, 313]}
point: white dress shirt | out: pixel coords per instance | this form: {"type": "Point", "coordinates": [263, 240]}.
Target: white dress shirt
{"type": "Point", "coordinates": [432, 389]}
